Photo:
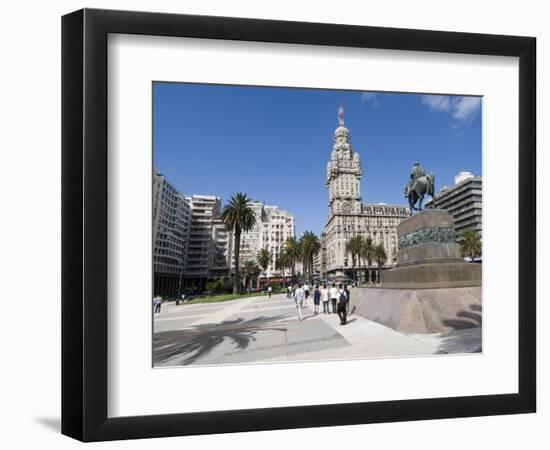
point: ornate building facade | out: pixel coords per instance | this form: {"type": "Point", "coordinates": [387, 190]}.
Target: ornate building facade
{"type": "Point", "coordinates": [348, 216]}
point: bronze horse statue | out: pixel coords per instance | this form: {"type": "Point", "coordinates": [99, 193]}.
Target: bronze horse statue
{"type": "Point", "coordinates": [416, 191]}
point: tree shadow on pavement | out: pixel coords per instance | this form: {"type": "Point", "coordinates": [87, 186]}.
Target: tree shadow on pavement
{"type": "Point", "coordinates": [465, 333]}
{"type": "Point", "coordinates": [197, 341]}
{"type": "Point", "coordinates": [465, 319]}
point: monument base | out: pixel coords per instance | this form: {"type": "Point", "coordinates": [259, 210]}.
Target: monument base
{"type": "Point", "coordinates": [432, 275]}
{"type": "Point", "coordinates": [429, 256]}
{"type": "Point", "coordinates": [419, 311]}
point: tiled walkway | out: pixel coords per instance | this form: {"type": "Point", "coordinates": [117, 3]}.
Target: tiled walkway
{"type": "Point", "coordinates": [260, 329]}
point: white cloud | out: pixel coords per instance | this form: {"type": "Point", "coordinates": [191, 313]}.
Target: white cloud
{"type": "Point", "coordinates": [466, 107]}
{"type": "Point", "coordinates": [437, 102]}
{"type": "Point", "coordinates": [370, 97]}
{"type": "Point", "coordinates": [462, 109]}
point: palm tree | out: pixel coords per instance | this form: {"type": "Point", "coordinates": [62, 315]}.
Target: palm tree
{"type": "Point", "coordinates": [470, 243]}
{"type": "Point", "coordinates": [280, 261]}
{"type": "Point", "coordinates": [264, 259]}
{"type": "Point", "coordinates": [367, 250]}
{"type": "Point", "coordinates": [283, 261]}
{"type": "Point", "coordinates": [293, 253]}
{"type": "Point", "coordinates": [379, 254]}
{"type": "Point", "coordinates": [250, 270]}
{"type": "Point", "coordinates": [239, 217]}
{"type": "Point", "coordinates": [256, 272]}
{"type": "Point", "coordinates": [353, 246]}
{"type": "Point", "coordinates": [310, 246]}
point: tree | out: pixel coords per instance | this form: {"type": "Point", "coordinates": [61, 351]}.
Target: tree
{"type": "Point", "coordinates": [283, 261]}
{"type": "Point", "coordinates": [293, 253]}
{"type": "Point", "coordinates": [215, 287]}
{"type": "Point", "coordinates": [250, 270]}
{"type": "Point", "coordinates": [353, 246]}
{"type": "Point", "coordinates": [367, 252]}
{"type": "Point", "coordinates": [379, 254]}
{"type": "Point", "coordinates": [279, 262]}
{"type": "Point", "coordinates": [256, 274]}
{"type": "Point", "coordinates": [309, 246]}
{"type": "Point", "coordinates": [239, 217]}
{"type": "Point", "coordinates": [264, 259]}
{"type": "Point", "coordinates": [470, 243]}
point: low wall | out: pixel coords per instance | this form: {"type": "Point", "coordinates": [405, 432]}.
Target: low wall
{"type": "Point", "coordinates": [420, 310]}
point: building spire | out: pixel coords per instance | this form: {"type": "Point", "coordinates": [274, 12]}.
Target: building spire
{"type": "Point", "coordinates": [341, 115]}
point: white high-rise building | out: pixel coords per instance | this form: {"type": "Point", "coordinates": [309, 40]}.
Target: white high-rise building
{"type": "Point", "coordinates": [278, 226]}
{"type": "Point", "coordinates": [461, 176]}
{"type": "Point", "coordinates": [171, 221]}
{"type": "Point", "coordinates": [190, 242]}
{"type": "Point", "coordinates": [464, 201]}
{"type": "Point", "coordinates": [251, 241]}
{"type": "Point", "coordinates": [348, 216]}
{"type": "Point", "coordinates": [222, 239]}
{"type": "Point", "coordinates": [208, 248]}
{"type": "Point", "coordinates": [273, 227]}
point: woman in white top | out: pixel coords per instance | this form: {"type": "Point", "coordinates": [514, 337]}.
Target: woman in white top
{"type": "Point", "coordinates": [299, 299]}
{"type": "Point", "coordinates": [325, 298]}
{"type": "Point", "coordinates": [333, 292]}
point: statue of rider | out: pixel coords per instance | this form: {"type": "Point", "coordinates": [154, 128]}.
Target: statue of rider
{"type": "Point", "coordinates": [417, 171]}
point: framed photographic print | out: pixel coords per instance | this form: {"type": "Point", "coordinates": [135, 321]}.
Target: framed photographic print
{"type": "Point", "coordinates": [273, 224]}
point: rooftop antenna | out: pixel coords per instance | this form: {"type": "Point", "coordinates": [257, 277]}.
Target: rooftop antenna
{"type": "Point", "coordinates": [341, 115]}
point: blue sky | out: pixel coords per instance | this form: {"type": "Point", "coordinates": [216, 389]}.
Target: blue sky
{"type": "Point", "coordinates": [274, 143]}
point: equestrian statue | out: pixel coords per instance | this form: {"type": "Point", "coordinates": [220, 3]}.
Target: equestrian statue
{"type": "Point", "coordinates": [419, 185]}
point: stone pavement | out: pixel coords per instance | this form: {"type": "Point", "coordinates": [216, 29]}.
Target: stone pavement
{"type": "Point", "coordinates": [260, 329]}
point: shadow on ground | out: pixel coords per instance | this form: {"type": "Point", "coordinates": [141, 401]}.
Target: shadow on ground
{"type": "Point", "coordinates": [465, 319]}
{"type": "Point", "coordinates": [198, 341]}
{"type": "Point", "coordinates": [52, 423]}
{"type": "Point", "coordinates": [465, 336]}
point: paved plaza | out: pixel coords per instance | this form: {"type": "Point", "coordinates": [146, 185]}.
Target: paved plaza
{"type": "Point", "coordinates": [263, 329]}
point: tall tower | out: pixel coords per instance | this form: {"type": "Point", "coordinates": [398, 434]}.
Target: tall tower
{"type": "Point", "coordinates": [348, 216]}
{"type": "Point", "coordinates": [343, 173]}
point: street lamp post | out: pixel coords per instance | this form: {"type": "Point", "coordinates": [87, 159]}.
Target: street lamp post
{"type": "Point", "coordinates": [179, 284]}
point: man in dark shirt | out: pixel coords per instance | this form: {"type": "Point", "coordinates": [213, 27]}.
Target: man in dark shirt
{"type": "Point", "coordinates": [342, 301]}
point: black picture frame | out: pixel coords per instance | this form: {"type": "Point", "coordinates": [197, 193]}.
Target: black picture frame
{"type": "Point", "coordinates": [84, 224]}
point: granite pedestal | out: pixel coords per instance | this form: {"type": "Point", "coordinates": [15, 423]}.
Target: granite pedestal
{"type": "Point", "coordinates": [428, 255]}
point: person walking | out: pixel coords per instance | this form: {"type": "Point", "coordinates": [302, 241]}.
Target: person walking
{"type": "Point", "coordinates": [325, 299]}
{"type": "Point", "coordinates": [157, 301]}
{"type": "Point", "coordinates": [289, 291]}
{"type": "Point", "coordinates": [316, 300]}
{"type": "Point", "coordinates": [333, 297]}
{"type": "Point", "coordinates": [348, 299]}
{"type": "Point", "coordinates": [342, 301]}
{"type": "Point", "coordinates": [299, 300]}
{"type": "Point", "coordinates": [269, 289]}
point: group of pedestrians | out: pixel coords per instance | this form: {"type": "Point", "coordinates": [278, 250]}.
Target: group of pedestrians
{"type": "Point", "coordinates": [336, 299]}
